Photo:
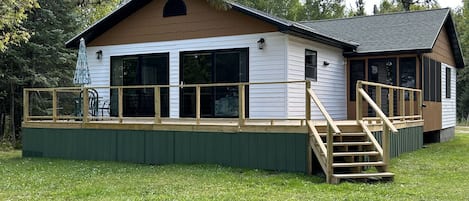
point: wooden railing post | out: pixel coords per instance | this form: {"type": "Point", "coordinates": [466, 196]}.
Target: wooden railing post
{"type": "Point", "coordinates": [197, 104]}
{"type": "Point", "coordinates": [25, 105]}
{"type": "Point", "coordinates": [157, 93]}
{"type": "Point", "coordinates": [308, 102]}
{"type": "Point", "coordinates": [241, 104]}
{"type": "Point", "coordinates": [378, 97]}
{"type": "Point", "coordinates": [402, 103]}
{"type": "Point", "coordinates": [330, 149]}
{"type": "Point", "coordinates": [391, 102]}
{"type": "Point", "coordinates": [411, 103]}
{"type": "Point", "coordinates": [358, 102]}
{"type": "Point", "coordinates": [386, 146]}
{"type": "Point", "coordinates": [120, 104]}
{"type": "Point", "coordinates": [420, 103]}
{"type": "Point", "coordinates": [54, 105]}
{"type": "Point", "coordinates": [85, 105]}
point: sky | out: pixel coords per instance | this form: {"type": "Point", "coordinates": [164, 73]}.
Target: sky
{"type": "Point", "coordinates": [369, 4]}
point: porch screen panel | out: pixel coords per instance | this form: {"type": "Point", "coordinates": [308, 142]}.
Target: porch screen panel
{"type": "Point", "coordinates": [357, 72]}
{"type": "Point", "coordinates": [407, 74]}
{"type": "Point", "coordinates": [438, 82]}
{"type": "Point", "coordinates": [426, 78]}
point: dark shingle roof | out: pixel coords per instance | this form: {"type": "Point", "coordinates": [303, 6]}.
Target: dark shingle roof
{"type": "Point", "coordinates": [389, 32]}
{"type": "Point", "coordinates": [406, 31]}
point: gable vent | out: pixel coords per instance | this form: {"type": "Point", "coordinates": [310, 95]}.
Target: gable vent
{"type": "Point", "coordinates": [174, 8]}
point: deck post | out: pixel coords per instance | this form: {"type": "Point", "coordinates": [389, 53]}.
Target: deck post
{"type": "Point", "coordinates": [241, 104]}
{"type": "Point", "coordinates": [157, 92]}
{"type": "Point", "coordinates": [411, 103]}
{"type": "Point", "coordinates": [402, 103]}
{"type": "Point", "coordinates": [420, 104]}
{"type": "Point", "coordinates": [85, 105]}
{"type": "Point", "coordinates": [25, 105]}
{"type": "Point", "coordinates": [197, 104]}
{"type": "Point", "coordinates": [307, 119]}
{"type": "Point", "coordinates": [378, 97]}
{"type": "Point", "coordinates": [386, 146]}
{"type": "Point", "coordinates": [330, 149]}
{"type": "Point", "coordinates": [358, 102]}
{"type": "Point", "coordinates": [120, 104]}
{"type": "Point", "coordinates": [391, 102]}
{"type": "Point", "coordinates": [54, 105]}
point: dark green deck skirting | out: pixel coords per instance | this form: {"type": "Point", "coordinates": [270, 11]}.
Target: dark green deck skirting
{"type": "Point", "coordinates": [269, 151]}
{"type": "Point", "coordinates": [406, 140]}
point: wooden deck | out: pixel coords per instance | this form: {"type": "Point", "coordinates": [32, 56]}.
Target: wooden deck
{"type": "Point", "coordinates": [210, 125]}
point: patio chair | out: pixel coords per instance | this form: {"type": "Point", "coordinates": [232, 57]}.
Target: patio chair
{"type": "Point", "coordinates": [93, 106]}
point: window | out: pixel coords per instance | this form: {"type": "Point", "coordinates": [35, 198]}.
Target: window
{"type": "Point", "coordinates": [174, 8]}
{"type": "Point", "coordinates": [149, 69]}
{"type": "Point", "coordinates": [213, 66]}
{"type": "Point", "coordinates": [311, 65]}
{"type": "Point", "coordinates": [432, 80]}
{"type": "Point", "coordinates": [357, 72]}
{"type": "Point", "coordinates": [448, 82]}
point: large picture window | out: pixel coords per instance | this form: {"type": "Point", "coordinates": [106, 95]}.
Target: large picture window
{"type": "Point", "coordinates": [151, 69]}
{"type": "Point", "coordinates": [214, 66]}
{"type": "Point", "coordinates": [311, 65]}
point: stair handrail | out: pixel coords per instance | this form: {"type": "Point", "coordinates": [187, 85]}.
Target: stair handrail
{"type": "Point", "coordinates": [387, 124]}
{"type": "Point", "coordinates": [322, 109]}
{"type": "Point", "coordinates": [378, 110]}
{"type": "Point", "coordinates": [331, 128]}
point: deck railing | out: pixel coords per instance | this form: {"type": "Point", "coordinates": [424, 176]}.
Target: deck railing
{"type": "Point", "coordinates": [55, 111]}
{"type": "Point", "coordinates": [381, 117]}
{"type": "Point", "coordinates": [315, 138]}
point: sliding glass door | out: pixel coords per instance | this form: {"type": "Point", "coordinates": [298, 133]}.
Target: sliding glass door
{"type": "Point", "coordinates": [152, 69]}
{"type": "Point", "coordinates": [217, 66]}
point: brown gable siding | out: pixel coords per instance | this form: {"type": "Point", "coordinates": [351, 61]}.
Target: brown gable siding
{"type": "Point", "coordinates": [201, 21]}
{"type": "Point", "coordinates": [442, 51]}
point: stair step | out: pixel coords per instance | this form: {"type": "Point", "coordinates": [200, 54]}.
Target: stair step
{"type": "Point", "coordinates": [358, 164]}
{"type": "Point", "coordinates": [344, 134]}
{"type": "Point", "coordinates": [363, 175]}
{"type": "Point", "coordinates": [365, 153]}
{"type": "Point", "coordinates": [350, 143]}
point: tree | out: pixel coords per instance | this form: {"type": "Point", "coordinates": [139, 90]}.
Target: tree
{"type": "Point", "coordinates": [323, 9]}
{"type": "Point", "coordinates": [43, 61]}
{"type": "Point", "coordinates": [389, 6]}
{"type": "Point", "coordinates": [461, 18]}
{"type": "Point", "coordinates": [12, 15]}
{"type": "Point", "coordinates": [360, 9]}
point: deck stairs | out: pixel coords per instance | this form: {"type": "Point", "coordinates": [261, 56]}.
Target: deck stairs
{"type": "Point", "coordinates": [357, 156]}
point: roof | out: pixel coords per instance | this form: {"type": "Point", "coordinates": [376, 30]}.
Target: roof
{"type": "Point", "coordinates": [283, 25]}
{"type": "Point", "coordinates": [404, 32]}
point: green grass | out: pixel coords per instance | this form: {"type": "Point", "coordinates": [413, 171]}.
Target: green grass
{"type": "Point", "coordinates": [438, 172]}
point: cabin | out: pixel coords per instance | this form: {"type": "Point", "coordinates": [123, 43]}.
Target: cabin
{"type": "Point", "coordinates": [184, 82]}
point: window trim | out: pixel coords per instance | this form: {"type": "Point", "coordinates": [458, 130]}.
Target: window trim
{"type": "Point", "coordinates": [313, 66]}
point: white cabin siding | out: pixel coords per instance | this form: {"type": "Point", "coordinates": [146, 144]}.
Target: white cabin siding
{"type": "Point", "coordinates": [330, 85]}
{"type": "Point", "coordinates": [448, 104]}
{"type": "Point", "coordinates": [265, 65]}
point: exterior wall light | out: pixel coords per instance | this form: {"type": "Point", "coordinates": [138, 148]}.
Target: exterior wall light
{"type": "Point", "coordinates": [326, 63]}
{"type": "Point", "coordinates": [99, 54]}
{"type": "Point", "coordinates": [261, 43]}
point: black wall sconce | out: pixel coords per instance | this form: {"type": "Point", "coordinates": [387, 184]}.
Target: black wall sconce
{"type": "Point", "coordinates": [261, 43]}
{"type": "Point", "coordinates": [326, 63]}
{"type": "Point", "coordinates": [99, 54]}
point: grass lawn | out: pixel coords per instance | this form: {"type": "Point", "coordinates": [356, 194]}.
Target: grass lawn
{"type": "Point", "coordinates": [438, 172]}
